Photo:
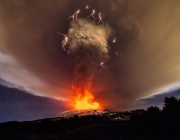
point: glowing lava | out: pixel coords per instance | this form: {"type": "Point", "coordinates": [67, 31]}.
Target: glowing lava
{"type": "Point", "coordinates": [84, 100]}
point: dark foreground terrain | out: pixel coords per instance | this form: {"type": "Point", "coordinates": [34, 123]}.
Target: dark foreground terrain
{"type": "Point", "coordinates": [110, 125]}
{"type": "Point", "coordinates": [99, 131]}
{"type": "Point", "coordinates": [153, 124]}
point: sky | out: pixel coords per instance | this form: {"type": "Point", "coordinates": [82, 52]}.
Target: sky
{"type": "Point", "coordinates": [143, 63]}
{"type": "Point", "coordinates": [16, 105]}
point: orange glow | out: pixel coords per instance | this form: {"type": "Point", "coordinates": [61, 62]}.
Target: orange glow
{"type": "Point", "coordinates": [85, 102]}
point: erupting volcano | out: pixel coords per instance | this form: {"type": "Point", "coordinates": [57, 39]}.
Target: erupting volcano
{"type": "Point", "coordinates": [87, 47]}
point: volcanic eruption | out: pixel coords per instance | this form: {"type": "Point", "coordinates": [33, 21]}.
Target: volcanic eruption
{"type": "Point", "coordinates": [87, 46]}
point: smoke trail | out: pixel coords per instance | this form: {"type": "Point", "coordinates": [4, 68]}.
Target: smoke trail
{"type": "Point", "coordinates": [88, 46]}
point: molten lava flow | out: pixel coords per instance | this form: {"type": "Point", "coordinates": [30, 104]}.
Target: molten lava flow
{"type": "Point", "coordinates": [85, 102]}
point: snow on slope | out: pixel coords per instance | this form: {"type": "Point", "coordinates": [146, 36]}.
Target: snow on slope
{"type": "Point", "coordinates": [71, 113]}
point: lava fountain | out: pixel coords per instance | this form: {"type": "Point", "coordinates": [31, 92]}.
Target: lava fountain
{"type": "Point", "coordinates": [84, 99]}
{"type": "Point", "coordinates": [87, 47]}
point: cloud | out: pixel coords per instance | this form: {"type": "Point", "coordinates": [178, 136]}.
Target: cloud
{"type": "Point", "coordinates": [148, 39]}
{"type": "Point", "coordinates": [29, 50]}
{"type": "Point", "coordinates": [14, 76]}
{"type": "Point", "coordinates": [88, 47]}
{"type": "Point", "coordinates": [157, 99]}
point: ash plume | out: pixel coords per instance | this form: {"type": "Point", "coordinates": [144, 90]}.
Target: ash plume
{"type": "Point", "coordinates": [88, 46]}
{"type": "Point", "coordinates": [148, 40]}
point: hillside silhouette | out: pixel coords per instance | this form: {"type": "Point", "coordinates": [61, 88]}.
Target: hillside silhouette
{"type": "Point", "coordinates": [158, 124]}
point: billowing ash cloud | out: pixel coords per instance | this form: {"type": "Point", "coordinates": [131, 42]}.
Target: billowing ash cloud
{"type": "Point", "coordinates": [148, 40]}
{"type": "Point", "coordinates": [13, 75]}
{"type": "Point", "coordinates": [88, 46]}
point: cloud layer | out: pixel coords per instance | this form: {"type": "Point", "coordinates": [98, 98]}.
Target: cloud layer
{"type": "Point", "coordinates": [148, 40]}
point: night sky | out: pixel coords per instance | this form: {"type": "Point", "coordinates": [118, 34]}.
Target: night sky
{"type": "Point", "coordinates": [16, 105]}
{"type": "Point", "coordinates": [36, 74]}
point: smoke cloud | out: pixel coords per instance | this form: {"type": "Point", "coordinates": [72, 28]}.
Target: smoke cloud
{"type": "Point", "coordinates": [148, 40]}
{"type": "Point", "coordinates": [88, 46]}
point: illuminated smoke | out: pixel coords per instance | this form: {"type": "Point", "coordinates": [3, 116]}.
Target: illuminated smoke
{"type": "Point", "coordinates": [87, 46]}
